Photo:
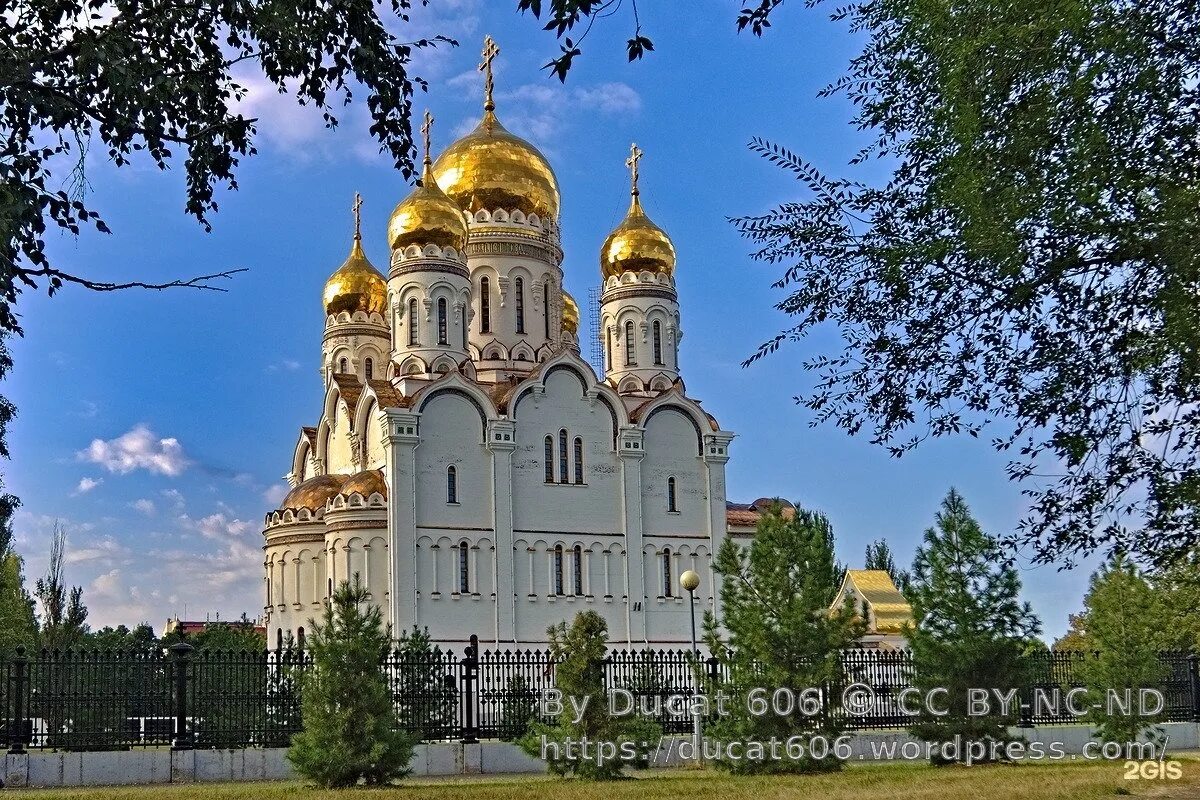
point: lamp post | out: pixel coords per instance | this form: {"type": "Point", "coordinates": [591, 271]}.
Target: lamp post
{"type": "Point", "coordinates": [690, 581]}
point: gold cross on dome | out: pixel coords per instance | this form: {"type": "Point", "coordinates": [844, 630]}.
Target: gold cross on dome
{"type": "Point", "coordinates": [357, 217]}
{"type": "Point", "coordinates": [490, 51]}
{"type": "Point", "coordinates": [425, 129]}
{"type": "Point", "coordinates": [635, 155]}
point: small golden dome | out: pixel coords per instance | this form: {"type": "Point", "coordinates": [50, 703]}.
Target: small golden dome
{"type": "Point", "coordinates": [570, 319]}
{"type": "Point", "coordinates": [357, 285]}
{"type": "Point", "coordinates": [366, 484]}
{"type": "Point", "coordinates": [637, 245]}
{"type": "Point", "coordinates": [314, 492]}
{"type": "Point", "coordinates": [427, 216]}
{"type": "Point", "coordinates": [490, 169]}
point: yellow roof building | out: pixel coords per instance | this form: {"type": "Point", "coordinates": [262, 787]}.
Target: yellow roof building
{"type": "Point", "coordinates": [875, 595]}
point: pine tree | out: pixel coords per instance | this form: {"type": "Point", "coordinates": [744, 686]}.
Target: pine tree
{"type": "Point", "coordinates": [18, 625]}
{"type": "Point", "coordinates": [879, 556]}
{"type": "Point", "coordinates": [1179, 587]}
{"type": "Point", "coordinates": [1125, 620]}
{"type": "Point", "coordinates": [971, 631]}
{"type": "Point", "coordinates": [579, 651]}
{"type": "Point", "coordinates": [425, 705]}
{"type": "Point", "coordinates": [779, 633]}
{"type": "Point", "coordinates": [351, 733]}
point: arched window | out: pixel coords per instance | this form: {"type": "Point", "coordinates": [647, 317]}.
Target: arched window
{"type": "Point", "coordinates": [464, 569]}
{"type": "Point", "coordinates": [369, 369]}
{"type": "Point", "coordinates": [451, 484]}
{"type": "Point", "coordinates": [668, 587]}
{"type": "Point", "coordinates": [558, 569]}
{"type": "Point", "coordinates": [412, 323]}
{"type": "Point", "coordinates": [549, 460]}
{"type": "Point", "coordinates": [485, 306]}
{"type": "Point", "coordinates": [343, 367]}
{"type": "Point", "coordinates": [562, 455]}
{"type": "Point", "coordinates": [546, 307]}
{"type": "Point", "coordinates": [630, 358]}
{"type": "Point", "coordinates": [279, 638]}
{"type": "Point", "coordinates": [442, 334]}
{"type": "Point", "coordinates": [300, 637]}
{"type": "Point", "coordinates": [671, 506]}
{"type": "Point", "coordinates": [657, 343]}
{"type": "Point", "coordinates": [577, 571]}
{"type": "Point", "coordinates": [578, 460]}
{"type": "Point", "coordinates": [520, 305]}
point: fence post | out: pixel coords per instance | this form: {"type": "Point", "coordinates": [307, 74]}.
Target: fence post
{"type": "Point", "coordinates": [16, 724]}
{"type": "Point", "coordinates": [470, 671]}
{"type": "Point", "coordinates": [182, 657]}
{"type": "Point", "coordinates": [1194, 671]}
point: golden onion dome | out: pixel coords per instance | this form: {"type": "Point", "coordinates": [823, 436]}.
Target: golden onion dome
{"type": "Point", "coordinates": [637, 245]}
{"type": "Point", "coordinates": [314, 492]}
{"type": "Point", "coordinates": [427, 216]}
{"type": "Point", "coordinates": [356, 285]}
{"type": "Point", "coordinates": [570, 318]}
{"type": "Point", "coordinates": [365, 483]}
{"type": "Point", "coordinates": [491, 169]}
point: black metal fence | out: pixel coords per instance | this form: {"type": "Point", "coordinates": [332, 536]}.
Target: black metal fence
{"type": "Point", "coordinates": [180, 697]}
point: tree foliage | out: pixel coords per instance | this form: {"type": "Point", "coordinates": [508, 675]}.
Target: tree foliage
{"type": "Point", "coordinates": [18, 625]}
{"type": "Point", "coordinates": [777, 631]}
{"type": "Point", "coordinates": [970, 629]}
{"type": "Point", "coordinates": [879, 556]}
{"type": "Point", "coordinates": [63, 614]}
{"type": "Point", "coordinates": [579, 652]}
{"type": "Point", "coordinates": [1030, 258]}
{"type": "Point", "coordinates": [1127, 626]}
{"type": "Point", "coordinates": [351, 733]}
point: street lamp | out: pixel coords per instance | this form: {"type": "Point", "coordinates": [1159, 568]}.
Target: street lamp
{"type": "Point", "coordinates": [690, 581]}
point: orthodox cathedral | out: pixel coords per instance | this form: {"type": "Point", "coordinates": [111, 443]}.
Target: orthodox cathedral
{"type": "Point", "coordinates": [468, 464]}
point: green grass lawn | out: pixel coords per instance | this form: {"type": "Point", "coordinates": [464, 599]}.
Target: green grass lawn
{"type": "Point", "coordinates": [1066, 781]}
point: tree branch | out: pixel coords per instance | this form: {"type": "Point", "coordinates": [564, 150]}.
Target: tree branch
{"type": "Point", "coordinates": [198, 282]}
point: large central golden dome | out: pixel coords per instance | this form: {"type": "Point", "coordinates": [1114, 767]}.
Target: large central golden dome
{"type": "Point", "coordinates": [490, 169]}
{"type": "Point", "coordinates": [637, 245]}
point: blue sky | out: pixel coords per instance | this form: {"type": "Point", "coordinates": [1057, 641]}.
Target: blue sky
{"type": "Point", "coordinates": [156, 426]}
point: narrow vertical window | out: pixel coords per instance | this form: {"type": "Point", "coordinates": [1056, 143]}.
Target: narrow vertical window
{"type": "Point", "coordinates": [546, 307]}
{"type": "Point", "coordinates": [671, 505]}
{"type": "Point", "coordinates": [562, 456]}
{"type": "Point", "coordinates": [668, 590]}
{"type": "Point", "coordinates": [558, 569]}
{"type": "Point", "coordinates": [549, 460]}
{"type": "Point", "coordinates": [300, 637]}
{"type": "Point", "coordinates": [578, 460]}
{"type": "Point", "coordinates": [451, 484]}
{"type": "Point", "coordinates": [630, 359]}
{"type": "Point", "coordinates": [442, 334]}
{"type": "Point", "coordinates": [412, 323]}
{"type": "Point", "coordinates": [342, 366]}
{"type": "Point", "coordinates": [520, 304]}
{"type": "Point", "coordinates": [279, 638]}
{"type": "Point", "coordinates": [608, 359]}
{"type": "Point", "coordinates": [464, 570]}
{"type": "Point", "coordinates": [464, 328]}
{"type": "Point", "coordinates": [577, 569]}
{"type": "Point", "coordinates": [485, 306]}
{"type": "Point", "coordinates": [657, 343]}
{"type": "Point", "coordinates": [369, 369]}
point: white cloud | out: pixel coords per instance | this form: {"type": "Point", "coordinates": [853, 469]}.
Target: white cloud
{"type": "Point", "coordinates": [220, 526]}
{"type": "Point", "coordinates": [144, 505]}
{"type": "Point", "coordinates": [104, 551]}
{"type": "Point", "coordinates": [176, 498]}
{"type": "Point", "coordinates": [275, 493]}
{"type": "Point", "coordinates": [542, 111]}
{"type": "Point", "coordinates": [138, 448]}
{"type": "Point", "coordinates": [284, 365]}
{"type": "Point", "coordinates": [87, 484]}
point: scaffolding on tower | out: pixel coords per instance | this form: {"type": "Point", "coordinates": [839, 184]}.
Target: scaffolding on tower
{"type": "Point", "coordinates": [596, 347]}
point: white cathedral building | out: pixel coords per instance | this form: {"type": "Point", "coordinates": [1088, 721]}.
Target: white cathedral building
{"type": "Point", "coordinates": [468, 464]}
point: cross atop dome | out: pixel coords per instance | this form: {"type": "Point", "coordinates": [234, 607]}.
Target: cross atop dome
{"type": "Point", "coordinates": [425, 129]}
{"type": "Point", "coordinates": [356, 207]}
{"type": "Point", "coordinates": [635, 155]}
{"type": "Point", "coordinates": [490, 51]}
